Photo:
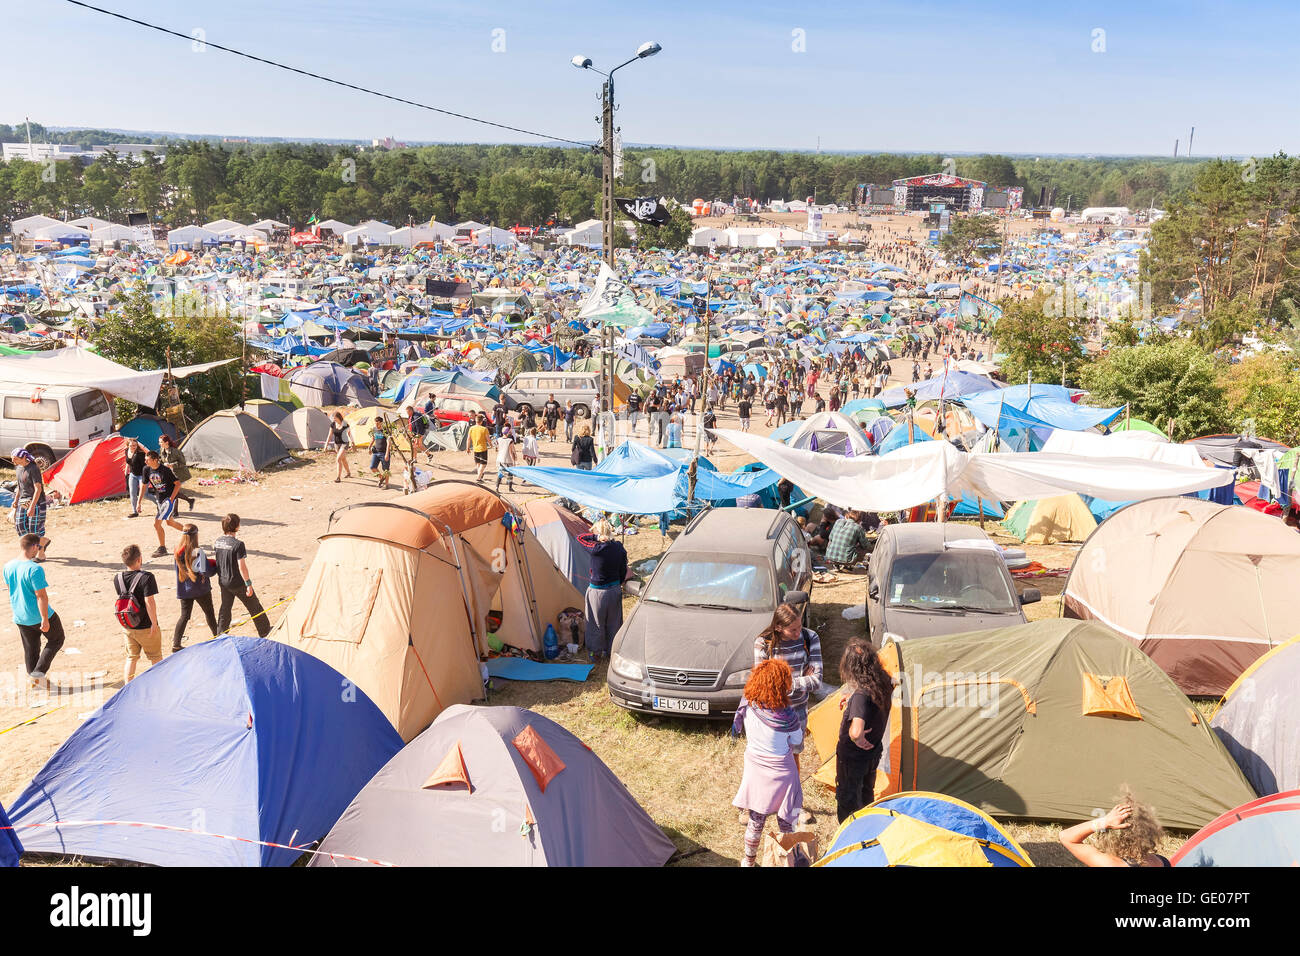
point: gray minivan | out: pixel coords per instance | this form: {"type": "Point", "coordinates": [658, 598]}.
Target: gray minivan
{"type": "Point", "coordinates": [924, 580]}
{"type": "Point", "coordinates": [688, 646]}
{"type": "Point", "coordinates": [531, 390]}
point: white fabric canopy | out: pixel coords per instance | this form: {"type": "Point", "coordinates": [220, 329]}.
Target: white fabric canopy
{"type": "Point", "coordinates": [1122, 444]}
{"type": "Point", "coordinates": [80, 366]}
{"type": "Point", "coordinates": [915, 474]}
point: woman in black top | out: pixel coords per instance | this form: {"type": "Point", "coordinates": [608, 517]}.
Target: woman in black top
{"type": "Point", "coordinates": [584, 448]}
{"type": "Point", "coordinates": [134, 474]}
{"type": "Point", "coordinates": [341, 436]}
{"type": "Point", "coordinates": [862, 727]}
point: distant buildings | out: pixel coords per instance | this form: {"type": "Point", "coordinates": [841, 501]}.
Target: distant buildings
{"type": "Point", "coordinates": [42, 152]}
{"type": "Point", "coordinates": [386, 143]}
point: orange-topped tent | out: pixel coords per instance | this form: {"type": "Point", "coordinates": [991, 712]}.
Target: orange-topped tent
{"type": "Point", "coordinates": [402, 595]}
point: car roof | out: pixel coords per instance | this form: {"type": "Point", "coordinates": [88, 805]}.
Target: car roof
{"type": "Point", "coordinates": [47, 391]}
{"type": "Point", "coordinates": [732, 531]}
{"type": "Point", "coordinates": [928, 537]}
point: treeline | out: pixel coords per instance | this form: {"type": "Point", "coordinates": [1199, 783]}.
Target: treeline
{"type": "Point", "coordinates": [1228, 249]}
{"type": "Point", "coordinates": [200, 180]}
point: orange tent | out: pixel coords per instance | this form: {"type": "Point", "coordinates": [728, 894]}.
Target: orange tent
{"type": "Point", "coordinates": [89, 472]}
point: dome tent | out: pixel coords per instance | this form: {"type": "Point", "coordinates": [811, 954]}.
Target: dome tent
{"type": "Point", "coordinates": [327, 383]}
{"type": "Point", "coordinates": [1259, 720]}
{"type": "Point", "coordinates": [234, 440]}
{"type": "Point", "coordinates": [441, 801]}
{"type": "Point", "coordinates": [265, 410]}
{"type": "Point", "coordinates": [256, 734]}
{"type": "Point", "coordinates": [305, 429]}
{"type": "Point", "coordinates": [922, 829]}
{"type": "Point", "coordinates": [10, 848]}
{"type": "Point", "coordinates": [1050, 520]}
{"type": "Point", "coordinates": [90, 472]}
{"type": "Point", "coordinates": [1206, 588]}
{"type": "Point", "coordinates": [1264, 832]}
{"type": "Point", "coordinates": [400, 597]}
{"type": "Point", "coordinates": [1070, 712]}
{"type": "Point", "coordinates": [831, 433]}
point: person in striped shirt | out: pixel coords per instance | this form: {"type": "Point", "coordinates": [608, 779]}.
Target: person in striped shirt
{"type": "Point", "coordinates": [786, 639]}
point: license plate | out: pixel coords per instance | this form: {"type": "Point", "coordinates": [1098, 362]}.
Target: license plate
{"type": "Point", "coordinates": [681, 705]}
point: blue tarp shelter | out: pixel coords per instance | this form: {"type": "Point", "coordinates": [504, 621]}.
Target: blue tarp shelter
{"type": "Point", "coordinates": [1047, 407]}
{"type": "Point", "coordinates": [636, 479]}
{"type": "Point", "coordinates": [957, 384]}
{"type": "Point", "coordinates": [238, 736]}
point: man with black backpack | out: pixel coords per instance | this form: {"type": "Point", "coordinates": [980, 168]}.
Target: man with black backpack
{"type": "Point", "coordinates": [137, 611]}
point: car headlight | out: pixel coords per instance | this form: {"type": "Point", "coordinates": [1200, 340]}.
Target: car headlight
{"type": "Point", "coordinates": [625, 667]}
{"type": "Point", "coordinates": [737, 679]}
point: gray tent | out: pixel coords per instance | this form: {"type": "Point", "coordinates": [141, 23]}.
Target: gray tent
{"type": "Point", "coordinates": [1259, 720]}
{"type": "Point", "coordinates": [328, 383]}
{"type": "Point", "coordinates": [307, 428]}
{"type": "Point", "coordinates": [234, 440]}
{"type": "Point", "coordinates": [265, 410]}
{"type": "Point", "coordinates": [496, 786]}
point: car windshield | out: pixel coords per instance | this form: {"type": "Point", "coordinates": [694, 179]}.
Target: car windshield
{"type": "Point", "coordinates": [721, 581]}
{"type": "Point", "coordinates": [951, 579]}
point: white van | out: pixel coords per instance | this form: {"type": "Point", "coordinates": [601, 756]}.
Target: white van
{"type": "Point", "coordinates": [531, 390]}
{"type": "Point", "coordinates": [52, 420]}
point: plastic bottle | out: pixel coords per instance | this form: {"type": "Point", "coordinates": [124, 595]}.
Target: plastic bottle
{"type": "Point", "coordinates": [551, 643]}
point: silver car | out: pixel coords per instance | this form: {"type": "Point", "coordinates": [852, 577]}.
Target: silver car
{"type": "Point", "coordinates": [688, 645]}
{"type": "Point", "coordinates": [929, 579]}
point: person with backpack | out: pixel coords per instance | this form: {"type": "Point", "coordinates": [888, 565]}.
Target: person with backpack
{"type": "Point", "coordinates": [785, 638]}
{"type": "Point", "coordinates": [234, 580]}
{"type": "Point", "coordinates": [193, 584]}
{"type": "Point", "coordinates": [136, 609]}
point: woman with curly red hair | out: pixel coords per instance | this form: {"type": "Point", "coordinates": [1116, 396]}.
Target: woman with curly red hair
{"type": "Point", "coordinates": [774, 736]}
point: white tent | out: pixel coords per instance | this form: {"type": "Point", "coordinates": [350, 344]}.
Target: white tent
{"type": "Point", "coordinates": [24, 227]}
{"type": "Point", "coordinates": [409, 236]}
{"type": "Point", "coordinates": [831, 433]}
{"type": "Point", "coordinates": [470, 225]}
{"type": "Point", "coordinates": [89, 222]}
{"type": "Point", "coordinates": [223, 225]}
{"type": "Point", "coordinates": [369, 232]}
{"type": "Point", "coordinates": [60, 232]}
{"type": "Point", "coordinates": [334, 226]}
{"type": "Point", "coordinates": [493, 236]}
{"type": "Point", "coordinates": [268, 225]}
{"type": "Point", "coordinates": [191, 237]}
{"type": "Point", "coordinates": [112, 232]}
{"type": "Point", "coordinates": [706, 236]}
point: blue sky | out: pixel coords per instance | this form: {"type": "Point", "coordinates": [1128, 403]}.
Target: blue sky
{"type": "Point", "coordinates": [873, 76]}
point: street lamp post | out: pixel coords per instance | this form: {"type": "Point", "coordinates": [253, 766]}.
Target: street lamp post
{"type": "Point", "coordinates": [644, 51]}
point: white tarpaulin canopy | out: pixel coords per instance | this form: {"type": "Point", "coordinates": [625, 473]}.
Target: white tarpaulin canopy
{"type": "Point", "coordinates": [1124, 444]}
{"type": "Point", "coordinates": [80, 366]}
{"type": "Point", "coordinates": [915, 474]}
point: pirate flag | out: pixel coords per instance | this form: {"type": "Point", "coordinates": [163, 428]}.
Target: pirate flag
{"type": "Point", "coordinates": [643, 209]}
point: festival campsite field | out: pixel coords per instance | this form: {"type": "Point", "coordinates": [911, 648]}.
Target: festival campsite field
{"type": "Point", "coordinates": [683, 772]}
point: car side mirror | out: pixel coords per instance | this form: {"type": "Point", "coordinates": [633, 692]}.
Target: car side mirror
{"type": "Point", "coordinates": [873, 591]}
{"type": "Point", "coordinates": [1031, 596]}
{"type": "Point", "coordinates": [632, 587]}
{"type": "Point", "coordinates": [795, 597]}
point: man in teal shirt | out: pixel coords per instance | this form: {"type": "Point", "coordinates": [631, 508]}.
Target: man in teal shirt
{"type": "Point", "coordinates": [30, 602]}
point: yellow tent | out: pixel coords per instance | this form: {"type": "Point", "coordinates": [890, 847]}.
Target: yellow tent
{"type": "Point", "coordinates": [1050, 520]}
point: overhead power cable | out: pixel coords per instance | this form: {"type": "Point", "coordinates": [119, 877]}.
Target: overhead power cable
{"type": "Point", "coordinates": [329, 79]}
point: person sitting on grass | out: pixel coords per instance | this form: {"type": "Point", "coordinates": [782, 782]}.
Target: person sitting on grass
{"type": "Point", "coordinates": [847, 542]}
{"type": "Point", "coordinates": [1126, 836]}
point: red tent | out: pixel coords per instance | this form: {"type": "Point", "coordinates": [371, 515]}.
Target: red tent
{"type": "Point", "coordinates": [90, 472]}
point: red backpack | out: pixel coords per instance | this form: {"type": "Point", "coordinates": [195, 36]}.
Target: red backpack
{"type": "Point", "coordinates": [128, 611]}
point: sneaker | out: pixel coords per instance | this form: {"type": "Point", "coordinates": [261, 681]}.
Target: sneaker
{"type": "Point", "coordinates": [160, 551]}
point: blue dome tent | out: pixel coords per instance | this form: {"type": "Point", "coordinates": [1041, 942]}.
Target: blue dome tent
{"type": "Point", "coordinates": [238, 737]}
